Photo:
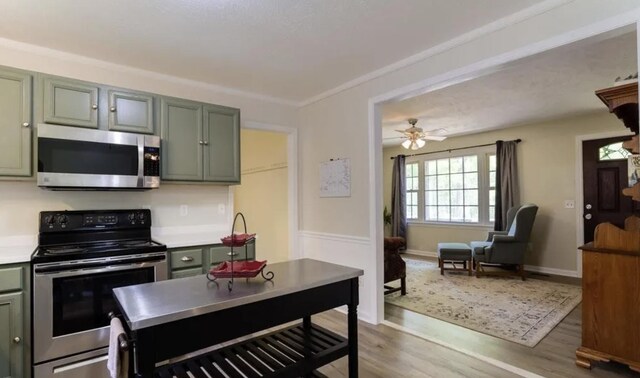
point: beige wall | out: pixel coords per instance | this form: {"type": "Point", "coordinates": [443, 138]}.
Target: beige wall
{"type": "Point", "coordinates": [338, 126]}
{"type": "Point", "coordinates": [262, 196]}
{"type": "Point", "coordinates": [546, 168]}
{"type": "Point", "coordinates": [20, 202]}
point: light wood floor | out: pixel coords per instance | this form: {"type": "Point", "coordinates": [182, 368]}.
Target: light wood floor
{"type": "Point", "coordinates": [386, 352]}
{"type": "Point", "coordinates": [554, 356]}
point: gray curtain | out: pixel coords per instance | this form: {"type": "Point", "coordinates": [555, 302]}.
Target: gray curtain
{"type": "Point", "coordinates": [507, 189]}
{"type": "Point", "coordinates": [398, 198]}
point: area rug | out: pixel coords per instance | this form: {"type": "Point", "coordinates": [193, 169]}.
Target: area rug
{"type": "Point", "coordinates": [506, 307]}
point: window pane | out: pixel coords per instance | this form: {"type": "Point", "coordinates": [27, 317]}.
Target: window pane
{"type": "Point", "coordinates": [430, 183]}
{"type": "Point", "coordinates": [471, 197]}
{"type": "Point", "coordinates": [471, 180]}
{"type": "Point", "coordinates": [414, 198]}
{"type": "Point", "coordinates": [470, 163]}
{"type": "Point", "coordinates": [457, 197]}
{"type": "Point", "coordinates": [457, 181]}
{"type": "Point", "coordinates": [443, 166]}
{"type": "Point", "coordinates": [471, 213]}
{"type": "Point", "coordinates": [492, 197]}
{"type": "Point", "coordinates": [457, 213]}
{"type": "Point", "coordinates": [431, 167]}
{"type": "Point", "coordinates": [492, 179]}
{"type": "Point", "coordinates": [443, 213]}
{"type": "Point", "coordinates": [443, 181]}
{"type": "Point", "coordinates": [414, 169]}
{"type": "Point", "coordinates": [431, 213]}
{"type": "Point", "coordinates": [456, 165]}
{"type": "Point", "coordinates": [492, 162]}
{"type": "Point", "coordinates": [613, 151]}
{"type": "Point", "coordinates": [431, 198]}
{"type": "Point", "coordinates": [492, 214]}
{"type": "Point", "coordinates": [443, 197]}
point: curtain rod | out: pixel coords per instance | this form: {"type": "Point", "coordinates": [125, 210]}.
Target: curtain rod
{"type": "Point", "coordinates": [459, 148]}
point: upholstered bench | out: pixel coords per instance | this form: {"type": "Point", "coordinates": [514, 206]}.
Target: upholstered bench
{"type": "Point", "coordinates": [454, 253]}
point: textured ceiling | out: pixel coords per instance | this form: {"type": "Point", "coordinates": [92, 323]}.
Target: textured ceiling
{"type": "Point", "coordinates": [290, 49]}
{"type": "Point", "coordinates": [555, 84]}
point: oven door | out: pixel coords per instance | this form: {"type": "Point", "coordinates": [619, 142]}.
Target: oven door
{"type": "Point", "coordinates": [71, 157]}
{"type": "Point", "coordinates": [71, 307]}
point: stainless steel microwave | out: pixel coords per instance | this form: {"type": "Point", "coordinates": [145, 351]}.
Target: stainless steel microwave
{"type": "Point", "coordinates": [85, 159]}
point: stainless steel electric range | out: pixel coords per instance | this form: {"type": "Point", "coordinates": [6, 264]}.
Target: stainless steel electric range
{"type": "Point", "coordinates": [82, 256]}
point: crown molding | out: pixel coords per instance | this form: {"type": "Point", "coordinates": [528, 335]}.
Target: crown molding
{"type": "Point", "coordinates": [489, 28]}
{"type": "Point", "coordinates": [120, 68]}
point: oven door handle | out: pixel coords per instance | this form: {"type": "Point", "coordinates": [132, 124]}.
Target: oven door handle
{"type": "Point", "coordinates": [57, 271]}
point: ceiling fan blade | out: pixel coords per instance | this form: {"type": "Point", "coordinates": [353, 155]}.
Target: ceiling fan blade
{"type": "Point", "coordinates": [433, 137]}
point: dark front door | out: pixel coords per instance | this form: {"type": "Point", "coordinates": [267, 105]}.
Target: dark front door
{"type": "Point", "coordinates": [604, 176]}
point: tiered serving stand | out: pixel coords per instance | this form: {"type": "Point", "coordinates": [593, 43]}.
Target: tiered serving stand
{"type": "Point", "coordinates": [243, 268]}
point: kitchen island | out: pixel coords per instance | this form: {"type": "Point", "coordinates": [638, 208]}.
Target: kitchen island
{"type": "Point", "coordinates": [169, 319]}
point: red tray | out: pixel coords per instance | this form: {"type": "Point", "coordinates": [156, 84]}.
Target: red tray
{"type": "Point", "coordinates": [242, 269]}
{"type": "Point", "coordinates": [237, 240]}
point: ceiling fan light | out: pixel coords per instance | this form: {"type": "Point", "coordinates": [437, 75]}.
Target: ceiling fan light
{"type": "Point", "coordinates": [406, 144]}
{"type": "Point", "coordinates": [414, 146]}
{"type": "Point", "coordinates": [421, 143]}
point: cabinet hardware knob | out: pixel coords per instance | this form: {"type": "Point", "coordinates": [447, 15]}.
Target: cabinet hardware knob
{"type": "Point", "coordinates": [112, 109]}
{"type": "Point", "coordinates": [94, 106]}
{"type": "Point", "coordinates": [206, 143]}
{"type": "Point", "coordinates": [187, 259]}
{"type": "Point", "coordinates": [17, 340]}
{"type": "Point", "coordinates": [26, 124]}
{"type": "Point", "coordinates": [232, 254]}
{"type": "Point", "coordinates": [201, 142]}
{"type": "Point", "coordinates": [588, 216]}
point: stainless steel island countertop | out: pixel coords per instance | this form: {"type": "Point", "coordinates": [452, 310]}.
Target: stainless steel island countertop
{"type": "Point", "coordinates": [161, 302]}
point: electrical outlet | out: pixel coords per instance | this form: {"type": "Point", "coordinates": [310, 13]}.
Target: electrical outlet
{"type": "Point", "coordinates": [184, 210]}
{"type": "Point", "coordinates": [569, 204]}
{"type": "Point", "coordinates": [222, 209]}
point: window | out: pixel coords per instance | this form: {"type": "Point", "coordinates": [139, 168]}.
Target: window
{"type": "Point", "coordinates": [412, 190]}
{"type": "Point", "coordinates": [453, 189]}
{"type": "Point", "coordinates": [613, 151]}
{"type": "Point", "coordinates": [492, 188]}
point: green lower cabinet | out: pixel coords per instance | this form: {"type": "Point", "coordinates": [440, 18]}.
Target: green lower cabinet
{"type": "Point", "coordinates": [193, 261]}
{"type": "Point", "coordinates": [186, 273]}
{"type": "Point", "coordinates": [11, 335]}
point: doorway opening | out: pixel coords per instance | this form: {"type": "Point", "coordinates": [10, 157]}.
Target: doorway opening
{"type": "Point", "coordinates": [548, 101]}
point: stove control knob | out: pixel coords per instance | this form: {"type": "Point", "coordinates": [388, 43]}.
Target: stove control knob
{"type": "Point", "coordinates": [49, 219]}
{"type": "Point", "coordinates": [63, 219]}
{"type": "Point", "coordinates": [141, 216]}
{"type": "Point", "coordinates": [131, 217]}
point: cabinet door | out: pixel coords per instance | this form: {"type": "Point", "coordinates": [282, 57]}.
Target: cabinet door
{"type": "Point", "coordinates": [11, 337]}
{"type": "Point", "coordinates": [15, 124]}
{"type": "Point", "coordinates": [70, 103]}
{"type": "Point", "coordinates": [181, 152]}
{"type": "Point", "coordinates": [130, 111]}
{"type": "Point", "coordinates": [186, 273]}
{"type": "Point", "coordinates": [222, 144]}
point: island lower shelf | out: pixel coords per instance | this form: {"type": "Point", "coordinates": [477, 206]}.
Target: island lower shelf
{"type": "Point", "coordinates": [289, 352]}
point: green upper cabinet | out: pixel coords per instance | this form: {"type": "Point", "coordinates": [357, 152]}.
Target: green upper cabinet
{"type": "Point", "coordinates": [15, 123]}
{"type": "Point", "coordinates": [11, 335]}
{"type": "Point", "coordinates": [72, 103]}
{"type": "Point", "coordinates": [200, 142]}
{"type": "Point", "coordinates": [130, 111]}
{"type": "Point", "coordinates": [181, 133]}
{"type": "Point", "coordinates": [222, 144]}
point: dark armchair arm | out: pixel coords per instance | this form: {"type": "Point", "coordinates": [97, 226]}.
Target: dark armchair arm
{"type": "Point", "coordinates": [504, 239]}
{"type": "Point", "coordinates": [492, 233]}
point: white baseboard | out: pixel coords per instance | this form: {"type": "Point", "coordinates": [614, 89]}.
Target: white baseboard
{"type": "Point", "coordinates": [552, 271]}
{"type": "Point", "coordinates": [530, 268]}
{"type": "Point", "coordinates": [421, 253]}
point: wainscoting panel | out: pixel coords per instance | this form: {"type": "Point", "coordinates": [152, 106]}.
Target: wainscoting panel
{"type": "Point", "coordinates": [346, 250]}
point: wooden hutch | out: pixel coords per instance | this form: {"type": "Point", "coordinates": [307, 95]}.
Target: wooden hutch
{"type": "Point", "coordinates": [611, 266]}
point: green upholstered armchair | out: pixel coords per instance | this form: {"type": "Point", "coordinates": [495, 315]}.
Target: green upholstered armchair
{"type": "Point", "coordinates": [507, 247]}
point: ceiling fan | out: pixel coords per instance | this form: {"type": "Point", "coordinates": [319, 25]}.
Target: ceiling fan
{"type": "Point", "coordinates": [416, 137]}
